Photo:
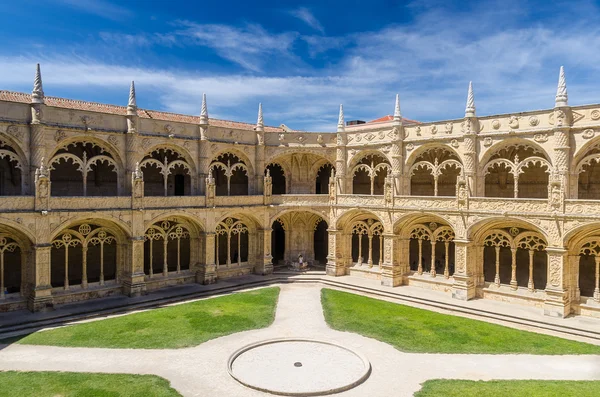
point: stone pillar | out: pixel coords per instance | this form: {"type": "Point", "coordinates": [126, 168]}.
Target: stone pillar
{"type": "Point", "coordinates": [557, 303]}
{"type": "Point", "coordinates": [132, 142]}
{"type": "Point", "coordinates": [470, 158]}
{"type": "Point", "coordinates": [264, 264]}
{"type": "Point", "coordinates": [391, 275]}
{"type": "Point", "coordinates": [203, 158]}
{"type": "Point", "coordinates": [397, 159]}
{"type": "Point", "coordinates": [562, 149]}
{"type": "Point", "coordinates": [335, 263]}
{"type": "Point", "coordinates": [37, 138]}
{"type": "Point", "coordinates": [340, 163]}
{"type": "Point", "coordinates": [260, 161]}
{"type": "Point", "coordinates": [464, 287]}
{"type": "Point", "coordinates": [40, 298]}
{"type": "Point", "coordinates": [207, 271]}
{"type": "Point", "coordinates": [134, 283]}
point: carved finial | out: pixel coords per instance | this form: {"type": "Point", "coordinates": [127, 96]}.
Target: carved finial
{"type": "Point", "coordinates": [260, 124]}
{"type": "Point", "coordinates": [470, 109]}
{"type": "Point", "coordinates": [204, 111]}
{"type": "Point", "coordinates": [341, 124]}
{"type": "Point", "coordinates": [132, 104]}
{"type": "Point", "coordinates": [562, 98]}
{"type": "Point", "coordinates": [397, 114]}
{"type": "Point", "coordinates": [268, 173]}
{"type": "Point", "coordinates": [37, 95]}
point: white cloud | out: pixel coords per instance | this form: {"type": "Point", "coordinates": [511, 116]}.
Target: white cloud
{"type": "Point", "coordinates": [250, 46]}
{"type": "Point", "coordinates": [429, 62]}
{"type": "Point", "coordinates": [306, 16]}
{"type": "Point", "coordinates": [101, 8]}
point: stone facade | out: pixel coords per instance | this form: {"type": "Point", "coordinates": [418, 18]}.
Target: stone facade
{"type": "Point", "coordinates": [102, 199]}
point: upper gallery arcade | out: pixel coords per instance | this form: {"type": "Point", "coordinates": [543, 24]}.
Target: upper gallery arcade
{"type": "Point", "coordinates": [112, 199]}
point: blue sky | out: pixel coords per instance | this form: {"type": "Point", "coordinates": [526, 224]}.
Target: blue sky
{"type": "Point", "coordinates": [301, 60]}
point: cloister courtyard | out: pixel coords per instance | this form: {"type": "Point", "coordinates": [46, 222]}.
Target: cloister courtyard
{"type": "Point", "coordinates": [192, 348]}
{"type": "Point", "coordinates": [391, 257]}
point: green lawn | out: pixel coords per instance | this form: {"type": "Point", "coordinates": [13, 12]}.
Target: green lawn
{"type": "Point", "coordinates": [512, 388]}
{"type": "Point", "coordinates": [71, 384]}
{"type": "Point", "coordinates": [421, 331]}
{"type": "Point", "coordinates": [172, 327]}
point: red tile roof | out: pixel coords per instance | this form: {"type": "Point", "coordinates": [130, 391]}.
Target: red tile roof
{"type": "Point", "coordinates": [21, 97]}
{"type": "Point", "coordinates": [390, 118]}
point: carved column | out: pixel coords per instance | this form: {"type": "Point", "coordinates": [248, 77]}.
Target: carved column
{"type": "Point", "coordinates": [335, 265]}
{"type": "Point", "coordinates": [340, 162]}
{"type": "Point", "coordinates": [264, 264]}
{"type": "Point", "coordinates": [203, 157]}
{"type": "Point", "coordinates": [397, 159]}
{"type": "Point", "coordinates": [37, 137]}
{"type": "Point", "coordinates": [464, 287]}
{"type": "Point", "coordinates": [132, 142]}
{"type": "Point", "coordinates": [133, 275]}
{"type": "Point", "coordinates": [557, 302]}
{"type": "Point", "coordinates": [40, 298]}
{"type": "Point", "coordinates": [260, 161]}
{"type": "Point", "coordinates": [391, 275]}
{"type": "Point", "coordinates": [562, 149]}
{"type": "Point", "coordinates": [207, 271]}
{"type": "Point", "coordinates": [470, 159]}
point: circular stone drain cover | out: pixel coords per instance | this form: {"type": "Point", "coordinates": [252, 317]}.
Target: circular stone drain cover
{"type": "Point", "coordinates": [298, 367]}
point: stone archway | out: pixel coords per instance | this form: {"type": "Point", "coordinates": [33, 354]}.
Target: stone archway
{"type": "Point", "coordinates": [299, 233]}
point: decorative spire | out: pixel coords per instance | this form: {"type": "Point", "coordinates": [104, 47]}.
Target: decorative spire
{"type": "Point", "coordinates": [37, 95]}
{"type": "Point", "coordinates": [204, 111]}
{"type": "Point", "coordinates": [562, 98]}
{"type": "Point", "coordinates": [260, 124]}
{"type": "Point", "coordinates": [341, 125]}
{"type": "Point", "coordinates": [470, 109]}
{"type": "Point", "coordinates": [397, 114]}
{"type": "Point", "coordinates": [132, 104]}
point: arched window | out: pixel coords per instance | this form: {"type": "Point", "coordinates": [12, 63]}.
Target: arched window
{"type": "Point", "coordinates": [231, 242]}
{"type": "Point", "coordinates": [166, 173]}
{"type": "Point", "coordinates": [432, 245]}
{"type": "Point", "coordinates": [434, 173]}
{"type": "Point", "coordinates": [166, 248]}
{"type": "Point", "coordinates": [323, 175]}
{"type": "Point", "coordinates": [514, 257]}
{"type": "Point", "coordinates": [10, 265]}
{"type": "Point", "coordinates": [588, 175]}
{"type": "Point", "coordinates": [84, 255]}
{"type": "Point", "coordinates": [367, 237]}
{"type": "Point", "coordinates": [11, 183]}
{"type": "Point", "coordinates": [83, 169]}
{"type": "Point", "coordinates": [278, 178]}
{"type": "Point", "coordinates": [589, 268]}
{"type": "Point", "coordinates": [231, 175]}
{"type": "Point", "coordinates": [518, 171]}
{"type": "Point", "coordinates": [368, 176]}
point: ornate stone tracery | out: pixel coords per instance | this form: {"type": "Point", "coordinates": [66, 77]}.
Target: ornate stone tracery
{"type": "Point", "coordinates": [232, 229]}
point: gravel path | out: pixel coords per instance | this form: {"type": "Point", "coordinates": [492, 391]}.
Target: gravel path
{"type": "Point", "coordinates": [202, 370]}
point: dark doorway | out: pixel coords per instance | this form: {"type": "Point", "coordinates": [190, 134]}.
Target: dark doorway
{"type": "Point", "coordinates": [320, 240]}
{"type": "Point", "coordinates": [179, 185]}
{"type": "Point", "coordinates": [277, 242]}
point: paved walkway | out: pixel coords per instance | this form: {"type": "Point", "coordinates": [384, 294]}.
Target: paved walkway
{"type": "Point", "coordinates": [202, 370]}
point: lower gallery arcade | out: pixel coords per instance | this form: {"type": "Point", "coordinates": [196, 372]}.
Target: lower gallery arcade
{"type": "Point", "coordinates": [507, 260]}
